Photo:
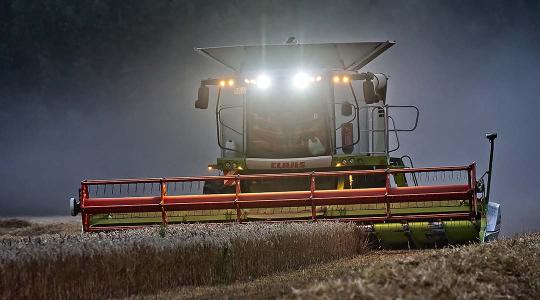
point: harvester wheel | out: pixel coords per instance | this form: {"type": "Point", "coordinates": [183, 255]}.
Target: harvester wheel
{"type": "Point", "coordinates": [74, 206]}
{"type": "Point", "coordinates": [217, 187]}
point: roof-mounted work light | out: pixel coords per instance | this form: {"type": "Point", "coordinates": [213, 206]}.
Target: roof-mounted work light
{"type": "Point", "coordinates": [300, 80]}
{"type": "Point", "coordinates": [263, 81]}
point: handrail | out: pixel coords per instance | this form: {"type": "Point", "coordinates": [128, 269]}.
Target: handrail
{"type": "Point", "coordinates": [278, 175]}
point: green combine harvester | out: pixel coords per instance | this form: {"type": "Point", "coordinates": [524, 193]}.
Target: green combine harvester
{"type": "Point", "coordinates": [306, 135]}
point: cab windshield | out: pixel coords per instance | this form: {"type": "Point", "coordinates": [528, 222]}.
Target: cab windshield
{"type": "Point", "coordinates": [284, 122]}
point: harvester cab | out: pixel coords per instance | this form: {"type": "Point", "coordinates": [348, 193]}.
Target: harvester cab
{"type": "Point", "coordinates": [305, 134]}
{"type": "Point", "coordinates": [302, 107]}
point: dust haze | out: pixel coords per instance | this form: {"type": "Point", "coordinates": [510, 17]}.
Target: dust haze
{"type": "Point", "coordinates": [106, 90]}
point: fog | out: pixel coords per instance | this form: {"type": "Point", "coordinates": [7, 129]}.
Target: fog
{"type": "Point", "coordinates": [470, 68]}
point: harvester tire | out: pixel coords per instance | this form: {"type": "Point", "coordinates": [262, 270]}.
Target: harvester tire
{"type": "Point", "coordinates": [74, 206]}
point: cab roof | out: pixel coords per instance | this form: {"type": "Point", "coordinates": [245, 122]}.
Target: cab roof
{"type": "Point", "coordinates": [333, 56]}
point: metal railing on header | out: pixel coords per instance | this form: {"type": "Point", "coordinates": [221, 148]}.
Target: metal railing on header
{"type": "Point", "coordinates": [163, 200]}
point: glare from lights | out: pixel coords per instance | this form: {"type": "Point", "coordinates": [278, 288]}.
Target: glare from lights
{"type": "Point", "coordinates": [336, 79]}
{"type": "Point", "coordinates": [222, 83]}
{"type": "Point", "coordinates": [301, 80]}
{"type": "Point", "coordinates": [246, 81]}
{"type": "Point", "coordinates": [210, 168]}
{"type": "Point", "coordinates": [345, 79]}
{"type": "Point", "coordinates": [318, 78]}
{"type": "Point", "coordinates": [231, 82]}
{"type": "Point", "coordinates": [263, 81]}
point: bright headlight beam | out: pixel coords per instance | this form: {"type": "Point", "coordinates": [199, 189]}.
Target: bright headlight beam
{"type": "Point", "coordinates": [301, 80]}
{"type": "Point", "coordinates": [263, 81]}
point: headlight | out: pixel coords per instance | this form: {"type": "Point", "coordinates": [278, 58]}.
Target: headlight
{"type": "Point", "coordinates": [263, 81]}
{"type": "Point", "coordinates": [301, 80]}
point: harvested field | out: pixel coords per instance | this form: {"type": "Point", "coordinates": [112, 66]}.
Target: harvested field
{"type": "Point", "coordinates": [504, 269]}
{"type": "Point", "coordinates": [28, 226]}
{"type": "Point", "coordinates": [120, 264]}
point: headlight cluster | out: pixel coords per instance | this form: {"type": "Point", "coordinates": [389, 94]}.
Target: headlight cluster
{"type": "Point", "coordinates": [345, 162]}
{"type": "Point", "coordinates": [223, 83]}
{"type": "Point", "coordinates": [302, 80]}
{"type": "Point", "coordinates": [299, 80]}
{"type": "Point", "coordinates": [341, 79]}
{"type": "Point", "coordinates": [262, 81]}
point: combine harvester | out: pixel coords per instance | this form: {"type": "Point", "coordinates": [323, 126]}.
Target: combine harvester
{"type": "Point", "coordinates": [305, 136]}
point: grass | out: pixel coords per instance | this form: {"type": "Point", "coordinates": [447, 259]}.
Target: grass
{"type": "Point", "coordinates": [120, 264]}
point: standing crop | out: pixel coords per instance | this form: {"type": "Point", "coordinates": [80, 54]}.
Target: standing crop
{"type": "Point", "coordinates": [118, 264]}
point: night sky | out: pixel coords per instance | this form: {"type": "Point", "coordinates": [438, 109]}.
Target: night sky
{"type": "Point", "coordinates": [119, 102]}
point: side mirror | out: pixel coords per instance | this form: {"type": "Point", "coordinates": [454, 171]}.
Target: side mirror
{"type": "Point", "coordinates": [369, 92]}
{"type": "Point", "coordinates": [346, 109]}
{"type": "Point", "coordinates": [375, 88]}
{"type": "Point", "coordinates": [202, 97]}
{"type": "Point", "coordinates": [347, 138]}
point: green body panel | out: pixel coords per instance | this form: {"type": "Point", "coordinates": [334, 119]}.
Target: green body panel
{"type": "Point", "coordinates": [462, 231]}
{"type": "Point", "coordinates": [483, 220]}
{"type": "Point", "coordinates": [422, 235]}
{"type": "Point", "coordinates": [353, 161]}
{"type": "Point", "coordinates": [230, 163]}
{"type": "Point", "coordinates": [360, 160]}
{"type": "Point", "coordinates": [401, 181]}
{"type": "Point", "coordinates": [426, 234]}
{"type": "Point", "coordinates": [391, 235]}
